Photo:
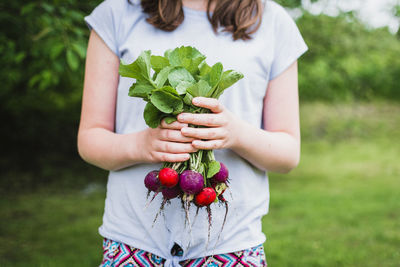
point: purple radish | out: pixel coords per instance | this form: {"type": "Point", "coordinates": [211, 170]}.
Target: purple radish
{"type": "Point", "coordinates": [191, 182]}
{"type": "Point", "coordinates": [152, 182]}
{"type": "Point", "coordinates": [170, 193]}
{"type": "Point", "coordinates": [222, 175]}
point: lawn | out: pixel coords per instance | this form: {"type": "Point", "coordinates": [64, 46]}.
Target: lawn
{"type": "Point", "coordinates": [340, 207]}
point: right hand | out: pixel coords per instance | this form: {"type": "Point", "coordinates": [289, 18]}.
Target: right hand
{"type": "Point", "coordinates": [166, 143]}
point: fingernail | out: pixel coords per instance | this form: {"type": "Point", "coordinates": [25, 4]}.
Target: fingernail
{"type": "Point", "coordinates": [196, 100]}
{"type": "Point", "coordinates": [184, 130]}
{"type": "Point", "coordinates": [182, 116]}
{"type": "Point", "coordinates": [195, 143]}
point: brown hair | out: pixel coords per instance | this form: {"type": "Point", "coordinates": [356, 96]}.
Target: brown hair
{"type": "Point", "coordinates": [240, 17]}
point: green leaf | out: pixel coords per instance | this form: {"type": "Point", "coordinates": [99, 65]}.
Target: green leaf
{"type": "Point", "coordinates": [215, 74]}
{"type": "Point", "coordinates": [182, 86]}
{"type": "Point", "coordinates": [56, 50]}
{"type": "Point", "coordinates": [79, 49]}
{"type": "Point", "coordinates": [162, 76]}
{"type": "Point", "coordinates": [202, 88]}
{"type": "Point", "coordinates": [25, 9]}
{"type": "Point", "coordinates": [219, 188]}
{"type": "Point", "coordinates": [77, 16]}
{"type": "Point", "coordinates": [20, 56]}
{"type": "Point", "coordinates": [170, 120]}
{"type": "Point", "coordinates": [204, 68]}
{"type": "Point", "coordinates": [170, 90]}
{"type": "Point", "coordinates": [139, 69]}
{"type": "Point", "coordinates": [188, 99]}
{"type": "Point", "coordinates": [165, 101]}
{"type": "Point", "coordinates": [72, 60]}
{"type": "Point", "coordinates": [228, 78]}
{"type": "Point", "coordinates": [213, 77]}
{"type": "Point", "coordinates": [158, 63]}
{"type": "Point", "coordinates": [140, 89]}
{"type": "Point", "coordinates": [167, 53]}
{"type": "Point", "coordinates": [187, 57]}
{"type": "Point", "coordinates": [213, 168]}
{"type": "Point", "coordinates": [178, 75]}
{"type": "Point", "coordinates": [48, 7]}
{"type": "Point", "coordinates": [152, 115]}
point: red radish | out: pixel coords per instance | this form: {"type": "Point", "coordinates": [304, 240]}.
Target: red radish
{"type": "Point", "coordinates": [152, 182]}
{"type": "Point", "coordinates": [170, 193]}
{"type": "Point", "coordinates": [222, 175]}
{"type": "Point", "coordinates": [168, 177]}
{"type": "Point", "coordinates": [206, 196]}
{"type": "Point", "coordinates": [191, 182]}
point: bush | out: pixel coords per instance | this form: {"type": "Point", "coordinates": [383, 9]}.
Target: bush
{"type": "Point", "coordinates": [42, 50]}
{"type": "Point", "coordinates": [348, 61]}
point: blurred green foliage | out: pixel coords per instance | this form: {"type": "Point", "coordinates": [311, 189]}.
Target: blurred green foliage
{"type": "Point", "coordinates": [292, 3]}
{"type": "Point", "coordinates": [348, 61]}
{"type": "Point", "coordinates": [42, 50]}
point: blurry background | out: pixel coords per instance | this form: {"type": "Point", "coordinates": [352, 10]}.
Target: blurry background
{"type": "Point", "coordinates": [340, 207]}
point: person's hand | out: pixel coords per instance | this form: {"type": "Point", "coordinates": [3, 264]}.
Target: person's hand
{"type": "Point", "coordinates": [222, 125]}
{"type": "Point", "coordinates": [166, 143]}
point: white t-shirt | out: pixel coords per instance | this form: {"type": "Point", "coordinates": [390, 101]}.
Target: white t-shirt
{"type": "Point", "coordinates": [274, 47]}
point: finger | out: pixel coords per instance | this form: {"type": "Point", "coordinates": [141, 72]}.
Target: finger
{"type": "Point", "coordinates": [211, 103]}
{"type": "Point", "coordinates": [168, 157]}
{"type": "Point", "coordinates": [176, 125]}
{"type": "Point", "coordinates": [173, 147]}
{"type": "Point", "coordinates": [204, 119]}
{"type": "Point", "coordinates": [174, 136]}
{"type": "Point", "coordinates": [204, 133]}
{"type": "Point", "coordinates": [208, 145]}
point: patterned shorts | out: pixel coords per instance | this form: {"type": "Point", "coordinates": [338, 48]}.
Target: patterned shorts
{"type": "Point", "coordinates": [116, 254]}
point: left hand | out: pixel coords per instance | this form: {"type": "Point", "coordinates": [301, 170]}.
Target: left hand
{"type": "Point", "coordinates": [221, 131]}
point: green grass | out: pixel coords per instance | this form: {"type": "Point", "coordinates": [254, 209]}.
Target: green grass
{"type": "Point", "coordinates": [340, 207]}
{"type": "Point", "coordinates": [51, 229]}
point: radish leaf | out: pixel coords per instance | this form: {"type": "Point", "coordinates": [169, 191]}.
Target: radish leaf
{"type": "Point", "coordinates": [170, 120]}
{"type": "Point", "coordinates": [215, 74]}
{"type": "Point", "coordinates": [228, 78]}
{"type": "Point", "coordinates": [182, 87]}
{"type": "Point", "coordinates": [169, 89]}
{"type": "Point", "coordinates": [158, 63]}
{"type": "Point", "coordinates": [162, 76]}
{"type": "Point", "coordinates": [152, 116]}
{"type": "Point", "coordinates": [139, 69]}
{"type": "Point", "coordinates": [187, 57]}
{"type": "Point", "coordinates": [141, 89]}
{"type": "Point", "coordinates": [178, 75]}
{"type": "Point", "coordinates": [188, 99]}
{"type": "Point", "coordinates": [204, 68]}
{"type": "Point", "coordinates": [213, 168]}
{"type": "Point", "coordinates": [165, 101]}
{"type": "Point", "coordinates": [202, 88]}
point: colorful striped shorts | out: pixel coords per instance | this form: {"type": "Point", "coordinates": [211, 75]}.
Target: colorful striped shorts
{"type": "Point", "coordinates": [116, 254]}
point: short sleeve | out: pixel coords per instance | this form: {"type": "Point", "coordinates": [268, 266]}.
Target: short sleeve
{"type": "Point", "coordinates": [104, 20]}
{"type": "Point", "coordinates": [289, 44]}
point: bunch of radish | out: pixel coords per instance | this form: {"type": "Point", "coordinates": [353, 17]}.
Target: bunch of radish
{"type": "Point", "coordinates": [188, 185]}
{"type": "Point", "coordinates": [193, 185]}
{"type": "Point", "coordinates": [168, 84]}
